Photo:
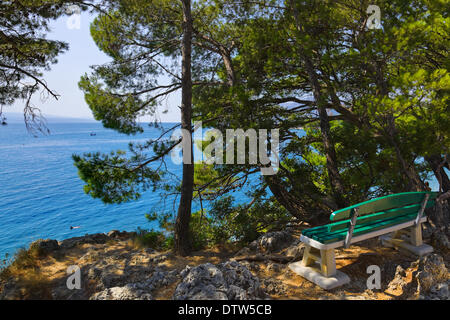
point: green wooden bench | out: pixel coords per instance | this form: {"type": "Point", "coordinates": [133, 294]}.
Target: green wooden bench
{"type": "Point", "coordinates": [396, 213]}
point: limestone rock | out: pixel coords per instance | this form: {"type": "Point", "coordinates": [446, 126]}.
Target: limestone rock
{"type": "Point", "coordinates": [147, 278]}
{"type": "Point", "coordinates": [204, 282]}
{"type": "Point", "coordinates": [274, 287]}
{"type": "Point", "coordinates": [89, 238]}
{"type": "Point", "coordinates": [399, 282]}
{"type": "Point", "coordinates": [226, 281]}
{"type": "Point", "coordinates": [440, 291]}
{"type": "Point", "coordinates": [116, 234]}
{"type": "Point", "coordinates": [9, 290]}
{"type": "Point", "coordinates": [161, 258]}
{"type": "Point", "coordinates": [431, 271]}
{"type": "Point", "coordinates": [275, 267]}
{"type": "Point", "coordinates": [45, 246]}
{"type": "Point", "coordinates": [275, 241]}
{"type": "Point", "coordinates": [244, 252]}
{"type": "Point", "coordinates": [127, 292]}
{"type": "Point", "coordinates": [160, 279]}
{"type": "Point", "coordinates": [431, 279]}
{"type": "Point", "coordinates": [237, 275]}
{"type": "Point", "coordinates": [441, 241]}
{"type": "Point", "coordinates": [295, 251]}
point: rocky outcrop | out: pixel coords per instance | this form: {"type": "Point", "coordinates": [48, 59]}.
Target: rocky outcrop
{"type": "Point", "coordinates": [45, 246]}
{"type": "Point", "coordinates": [8, 290]}
{"type": "Point", "coordinates": [273, 241]}
{"type": "Point", "coordinates": [440, 240]}
{"type": "Point", "coordinates": [49, 246]}
{"type": "Point", "coordinates": [274, 287]}
{"type": "Point", "coordinates": [295, 250]}
{"type": "Point", "coordinates": [430, 280]}
{"type": "Point", "coordinates": [116, 271]}
{"type": "Point", "coordinates": [119, 272]}
{"type": "Point", "coordinates": [130, 291]}
{"type": "Point", "coordinates": [281, 247]}
{"type": "Point", "coordinates": [98, 238]}
{"type": "Point", "coordinates": [204, 282]}
{"type": "Point", "coordinates": [399, 282]}
{"type": "Point", "coordinates": [439, 291]}
{"type": "Point", "coordinates": [159, 279]}
{"type": "Point", "coordinates": [116, 234]}
{"type": "Point", "coordinates": [226, 281]}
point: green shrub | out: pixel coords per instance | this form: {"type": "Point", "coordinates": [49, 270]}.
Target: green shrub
{"type": "Point", "coordinates": [152, 239]}
{"type": "Point", "coordinates": [223, 223]}
{"type": "Point", "coordinates": [242, 224]}
{"type": "Point", "coordinates": [203, 231]}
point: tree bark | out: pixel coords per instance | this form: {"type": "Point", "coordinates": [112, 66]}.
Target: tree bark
{"type": "Point", "coordinates": [288, 201]}
{"type": "Point", "coordinates": [182, 236]}
{"type": "Point", "coordinates": [437, 164]}
{"type": "Point", "coordinates": [440, 214]}
{"type": "Point", "coordinates": [297, 206]}
{"type": "Point", "coordinates": [229, 67]}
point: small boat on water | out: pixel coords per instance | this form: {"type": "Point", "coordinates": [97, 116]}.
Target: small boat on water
{"type": "Point", "coordinates": [93, 134]}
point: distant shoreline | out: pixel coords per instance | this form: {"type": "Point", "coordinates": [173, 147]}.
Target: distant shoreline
{"type": "Point", "coordinates": [17, 118]}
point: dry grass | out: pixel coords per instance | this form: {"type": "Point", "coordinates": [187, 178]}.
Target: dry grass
{"type": "Point", "coordinates": [26, 270]}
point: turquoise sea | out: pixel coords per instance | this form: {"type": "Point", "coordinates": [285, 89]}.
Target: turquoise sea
{"type": "Point", "coordinates": [41, 195]}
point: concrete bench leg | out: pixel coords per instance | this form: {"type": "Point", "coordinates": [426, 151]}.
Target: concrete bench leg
{"type": "Point", "coordinates": [325, 258]}
{"type": "Point", "coordinates": [308, 257]}
{"type": "Point", "coordinates": [416, 235]}
{"type": "Point", "coordinates": [328, 262]}
{"type": "Point", "coordinates": [413, 243]}
{"type": "Point", "coordinates": [319, 267]}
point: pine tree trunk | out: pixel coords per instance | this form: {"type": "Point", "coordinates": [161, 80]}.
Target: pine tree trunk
{"type": "Point", "coordinates": [286, 199]}
{"type": "Point", "coordinates": [295, 204]}
{"type": "Point", "coordinates": [437, 165]}
{"type": "Point", "coordinates": [440, 213]}
{"type": "Point", "coordinates": [182, 239]}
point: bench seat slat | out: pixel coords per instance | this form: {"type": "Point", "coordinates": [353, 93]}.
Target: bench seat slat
{"type": "Point", "coordinates": [329, 237]}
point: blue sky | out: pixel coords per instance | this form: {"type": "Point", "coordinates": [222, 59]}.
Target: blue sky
{"type": "Point", "coordinates": [64, 76]}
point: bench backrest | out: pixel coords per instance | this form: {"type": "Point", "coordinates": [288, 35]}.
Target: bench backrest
{"type": "Point", "coordinates": [375, 214]}
{"type": "Point", "coordinates": [390, 202]}
{"type": "Point", "coordinates": [401, 205]}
